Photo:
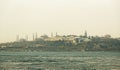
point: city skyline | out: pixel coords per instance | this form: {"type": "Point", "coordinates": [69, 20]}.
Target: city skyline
{"type": "Point", "coordinates": [25, 17]}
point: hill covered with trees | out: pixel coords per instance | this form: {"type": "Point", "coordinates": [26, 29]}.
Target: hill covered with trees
{"type": "Point", "coordinates": [95, 44]}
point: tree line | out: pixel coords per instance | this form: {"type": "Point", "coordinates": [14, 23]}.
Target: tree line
{"type": "Point", "coordinates": [96, 44]}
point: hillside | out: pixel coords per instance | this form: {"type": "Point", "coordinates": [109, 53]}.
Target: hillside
{"type": "Point", "coordinates": [95, 44]}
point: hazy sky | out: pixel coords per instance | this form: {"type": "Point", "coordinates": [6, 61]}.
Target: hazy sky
{"type": "Point", "coordinates": [25, 17]}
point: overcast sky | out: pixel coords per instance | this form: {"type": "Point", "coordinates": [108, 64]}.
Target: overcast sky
{"type": "Point", "coordinates": [25, 17]}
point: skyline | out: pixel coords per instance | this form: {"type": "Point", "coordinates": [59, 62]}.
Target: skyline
{"type": "Point", "coordinates": [25, 17]}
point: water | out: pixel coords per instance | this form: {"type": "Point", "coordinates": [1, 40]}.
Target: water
{"type": "Point", "coordinates": [59, 60]}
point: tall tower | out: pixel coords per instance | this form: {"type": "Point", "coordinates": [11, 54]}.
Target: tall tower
{"type": "Point", "coordinates": [85, 34]}
{"type": "Point", "coordinates": [56, 34]}
{"type": "Point", "coordinates": [51, 34]}
{"type": "Point", "coordinates": [36, 36]}
{"type": "Point", "coordinates": [33, 37]}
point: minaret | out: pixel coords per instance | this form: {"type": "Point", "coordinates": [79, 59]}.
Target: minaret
{"type": "Point", "coordinates": [85, 34]}
{"type": "Point", "coordinates": [33, 37]}
{"type": "Point", "coordinates": [51, 34]}
{"type": "Point", "coordinates": [56, 34]}
{"type": "Point", "coordinates": [36, 36]}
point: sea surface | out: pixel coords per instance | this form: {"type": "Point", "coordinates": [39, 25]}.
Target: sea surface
{"type": "Point", "coordinates": [59, 60]}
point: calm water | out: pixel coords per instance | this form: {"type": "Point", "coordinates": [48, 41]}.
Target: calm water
{"type": "Point", "coordinates": [59, 60]}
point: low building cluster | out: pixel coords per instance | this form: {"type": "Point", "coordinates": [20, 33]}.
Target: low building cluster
{"type": "Point", "coordinates": [70, 38]}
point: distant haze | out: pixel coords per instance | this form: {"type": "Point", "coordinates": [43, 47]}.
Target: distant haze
{"type": "Point", "coordinates": [25, 17]}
